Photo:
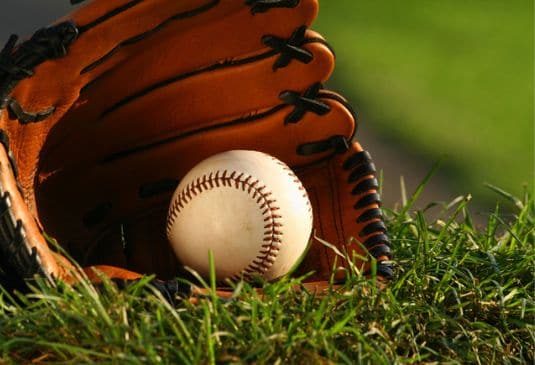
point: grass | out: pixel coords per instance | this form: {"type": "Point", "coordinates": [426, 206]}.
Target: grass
{"type": "Point", "coordinates": [462, 295]}
{"type": "Point", "coordinates": [460, 73]}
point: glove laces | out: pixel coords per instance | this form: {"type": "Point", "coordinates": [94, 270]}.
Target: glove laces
{"type": "Point", "coordinates": [361, 174]}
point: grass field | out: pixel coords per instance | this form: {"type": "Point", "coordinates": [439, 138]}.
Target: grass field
{"type": "Point", "coordinates": [443, 78]}
{"type": "Point", "coordinates": [461, 296]}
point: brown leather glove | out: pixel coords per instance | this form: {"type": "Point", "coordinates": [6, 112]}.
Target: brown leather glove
{"type": "Point", "coordinates": [105, 111]}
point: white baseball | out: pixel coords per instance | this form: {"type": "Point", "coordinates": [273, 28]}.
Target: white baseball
{"type": "Point", "coordinates": [248, 208]}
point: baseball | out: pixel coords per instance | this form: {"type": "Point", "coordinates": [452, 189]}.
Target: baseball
{"type": "Point", "coordinates": [249, 209]}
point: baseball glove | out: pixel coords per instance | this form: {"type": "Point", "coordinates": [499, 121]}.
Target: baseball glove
{"type": "Point", "coordinates": [103, 112]}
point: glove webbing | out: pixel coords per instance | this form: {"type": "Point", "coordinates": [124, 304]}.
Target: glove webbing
{"type": "Point", "coordinates": [17, 64]}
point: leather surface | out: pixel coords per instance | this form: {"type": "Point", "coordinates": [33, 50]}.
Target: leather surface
{"type": "Point", "coordinates": [151, 88]}
{"type": "Point", "coordinates": [336, 218]}
{"type": "Point", "coordinates": [95, 273]}
{"type": "Point", "coordinates": [50, 262]}
{"type": "Point", "coordinates": [137, 33]}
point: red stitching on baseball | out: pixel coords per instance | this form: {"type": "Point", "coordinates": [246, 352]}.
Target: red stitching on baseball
{"type": "Point", "coordinates": [272, 235]}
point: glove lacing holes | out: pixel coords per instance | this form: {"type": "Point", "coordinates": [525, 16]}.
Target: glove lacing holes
{"type": "Point", "coordinates": [289, 49]}
{"type": "Point", "coordinates": [261, 6]}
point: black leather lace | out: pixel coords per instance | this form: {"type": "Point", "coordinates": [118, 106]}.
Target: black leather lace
{"type": "Point", "coordinates": [361, 174]}
{"type": "Point", "coordinates": [289, 49]}
{"type": "Point", "coordinates": [17, 63]}
{"type": "Point", "coordinates": [361, 166]}
{"type": "Point", "coordinates": [261, 6]}
{"type": "Point", "coordinates": [304, 103]}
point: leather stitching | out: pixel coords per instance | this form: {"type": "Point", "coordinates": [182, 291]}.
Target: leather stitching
{"type": "Point", "coordinates": [272, 240]}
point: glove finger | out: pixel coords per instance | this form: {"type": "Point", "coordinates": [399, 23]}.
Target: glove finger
{"type": "Point", "coordinates": [24, 251]}
{"type": "Point", "coordinates": [344, 196]}
{"type": "Point", "coordinates": [104, 30]}
{"type": "Point", "coordinates": [213, 98]}
{"type": "Point", "coordinates": [185, 46]}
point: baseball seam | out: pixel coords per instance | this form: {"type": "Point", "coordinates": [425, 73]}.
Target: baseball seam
{"type": "Point", "coordinates": [272, 221]}
{"type": "Point", "coordinates": [296, 180]}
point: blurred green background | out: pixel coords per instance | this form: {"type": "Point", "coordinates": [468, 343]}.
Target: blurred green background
{"type": "Point", "coordinates": [450, 79]}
